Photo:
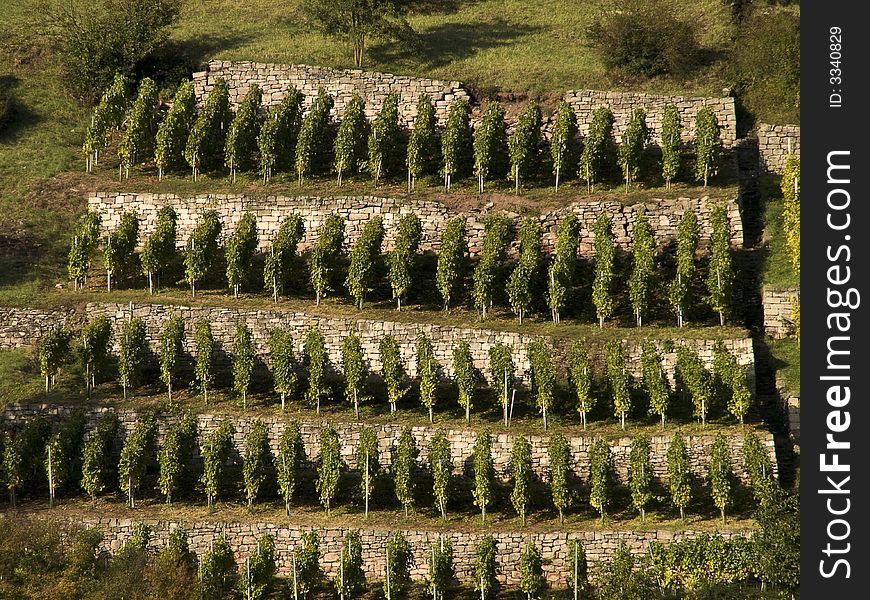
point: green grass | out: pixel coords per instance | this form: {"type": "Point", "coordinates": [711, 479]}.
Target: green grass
{"type": "Point", "coordinates": [786, 355]}
{"type": "Point", "coordinates": [777, 271]}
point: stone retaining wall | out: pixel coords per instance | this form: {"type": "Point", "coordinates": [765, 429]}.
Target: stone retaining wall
{"type": "Point", "coordinates": [21, 327]}
{"type": "Point", "coordinates": [777, 304]}
{"type": "Point", "coordinates": [774, 142]}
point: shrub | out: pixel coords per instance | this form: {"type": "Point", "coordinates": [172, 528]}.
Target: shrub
{"type": "Point", "coordinates": [205, 145]}
{"type": "Point", "coordinates": [137, 141]}
{"type": "Point", "coordinates": [633, 143]}
{"type": "Point", "coordinates": [97, 455]}
{"type": "Point", "coordinates": [392, 369]}
{"type": "Point", "coordinates": [404, 461]}
{"type": "Point", "coordinates": [485, 567]}
{"type": "Point", "coordinates": [241, 246]}
{"type": "Point", "coordinates": [120, 247]}
{"type": "Point", "coordinates": [441, 571]}
{"type": "Point", "coordinates": [106, 120]}
{"type": "Point", "coordinates": [501, 367]}
{"type": "Point", "coordinates": [368, 463]}
{"type": "Point", "coordinates": [329, 469]}
{"type": "Point", "coordinates": [83, 248]}
{"type": "Point", "coordinates": [596, 148]}
{"type": "Point", "coordinates": [489, 261]}
{"type": "Point", "coordinates": [523, 278]}
{"type": "Point", "coordinates": [670, 145]}
{"type": "Point", "coordinates": [355, 370]}
{"type": "Point", "coordinates": [173, 131]}
{"type": "Point", "coordinates": [244, 359]}
{"type": "Point", "coordinates": [279, 263]}
{"type": "Point", "coordinates": [131, 353]}
{"type": "Point", "coordinates": [560, 467]}
{"type": "Point", "coordinates": [790, 184]}
{"type": "Point", "coordinates": [696, 381]}
{"type": "Point", "coordinates": [351, 134]}
{"type": "Point", "coordinates": [490, 142]}
{"type": "Point", "coordinates": [618, 378]}
{"type": "Point", "coordinates": [680, 289]}
{"type": "Point", "coordinates": [578, 568]}
{"type": "Point", "coordinates": [316, 359]}
{"type": "Point", "coordinates": [543, 375]}
{"type": "Point", "coordinates": [279, 133]}
{"type": "Point", "coordinates": [600, 476]}
{"type": "Point", "coordinates": [158, 251]}
{"type": "Point", "coordinates": [679, 474]}
{"type": "Point", "coordinates": [260, 569]}
{"type": "Point", "coordinates": [421, 142]}
{"type": "Point", "coordinates": [398, 566]}
{"type": "Point", "coordinates": [708, 145]}
{"type": "Point", "coordinates": [451, 259]}
{"type": "Point", "coordinates": [580, 375]}
{"type": "Point", "coordinates": [720, 475]}
{"type": "Point", "coordinates": [654, 381]}
{"type": "Point", "coordinates": [202, 248]}
{"type": "Point", "coordinates": [257, 460]}
{"type": "Point", "coordinates": [62, 452]}
{"type": "Point", "coordinates": [171, 347]}
{"type": "Point", "coordinates": [384, 137]}
{"type": "Point", "coordinates": [135, 456]}
{"type": "Point", "coordinates": [454, 140]}
{"type": "Point", "coordinates": [531, 571]}
{"type": "Point", "coordinates": [563, 140]}
{"type": "Point", "coordinates": [204, 370]}
{"type": "Point", "coordinates": [602, 286]}
{"type": "Point", "coordinates": [283, 368]}
{"type": "Point", "coordinates": [174, 454]}
{"type": "Point", "coordinates": [53, 351]}
{"type": "Point", "coordinates": [484, 472]}
{"type": "Point", "coordinates": [312, 138]}
{"type": "Point", "coordinates": [427, 373]}
{"type": "Point", "coordinates": [350, 581]}
{"type": "Point", "coordinates": [324, 256]}
{"type": "Point", "coordinates": [521, 470]}
{"type": "Point", "coordinates": [215, 450]}
{"type": "Point", "coordinates": [464, 375]}
{"type": "Point", "coordinates": [441, 466]}
{"type": "Point", "coordinates": [217, 571]}
{"type": "Point", "coordinates": [289, 461]}
{"type": "Point", "coordinates": [640, 281]}
{"type": "Point", "coordinates": [403, 257]}
{"type": "Point", "coordinates": [364, 260]}
{"type": "Point", "coordinates": [640, 474]}
{"type": "Point", "coordinates": [563, 269]}
{"type": "Point", "coordinates": [241, 143]}
{"type": "Point", "coordinates": [307, 573]}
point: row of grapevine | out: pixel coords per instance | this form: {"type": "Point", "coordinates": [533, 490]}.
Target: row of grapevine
{"type": "Point", "coordinates": [791, 222]}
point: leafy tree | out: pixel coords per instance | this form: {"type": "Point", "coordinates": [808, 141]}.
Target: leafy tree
{"type": "Point", "coordinates": [279, 263]}
{"type": "Point", "coordinates": [464, 375]}
{"type": "Point", "coordinates": [672, 131]}
{"type": "Point", "coordinates": [490, 142]}
{"type": "Point", "coordinates": [454, 140]}
{"type": "Point", "coordinates": [204, 371]}
{"type": "Point", "coordinates": [316, 359]}
{"type": "Point", "coordinates": [241, 142]}
{"type": "Point", "coordinates": [62, 451]}
{"type": "Point", "coordinates": [403, 257]}
{"type": "Point", "coordinates": [257, 459]}
{"type": "Point", "coordinates": [640, 474]}
{"type": "Point", "coordinates": [489, 261]}
{"type": "Point", "coordinates": [560, 465]}
{"type": "Point", "coordinates": [279, 134]}
{"type": "Point", "coordinates": [484, 472]}
{"type": "Point", "coordinates": [171, 347]}
{"type": "Point", "coordinates": [384, 137]}
{"type": "Point", "coordinates": [708, 145]}
{"type": "Point", "coordinates": [217, 571]}
{"type": "Point", "coordinates": [441, 466]}
{"type": "Point", "coordinates": [158, 251]}
{"type": "Point", "coordinates": [732, 376]}
{"type": "Point", "coordinates": [83, 248]}
{"type": "Point", "coordinates": [531, 571]}
{"type": "Point", "coordinates": [175, 453]}
{"type": "Point", "coordinates": [351, 135]}
{"type": "Point", "coordinates": [602, 287]}
{"type": "Point", "coordinates": [404, 461]}
{"type": "Point", "coordinates": [94, 351]}
{"type": "Point", "coordinates": [368, 463]}
{"type": "Point", "coordinates": [562, 271]}
{"type": "Point", "coordinates": [427, 373]}
{"type": "Point", "coordinates": [174, 129]}
{"type": "Point", "coordinates": [131, 354]}
{"type": "Point", "coordinates": [643, 251]}
{"type": "Point", "coordinates": [679, 474]}
{"type": "Point", "coordinates": [120, 247]}
{"type": "Point", "coordinates": [720, 276]}
{"type": "Point", "coordinates": [107, 118]}
{"type": "Point", "coordinates": [312, 135]}
{"type": "Point", "coordinates": [523, 278]}
{"type": "Point", "coordinates": [137, 141]}
{"type": "Point", "coordinates": [350, 581]}
{"type": "Point", "coordinates": [355, 370]}
{"type": "Point", "coordinates": [306, 564]}
{"type": "Point", "coordinates": [329, 469]}
{"type": "Point", "coordinates": [97, 455]}
{"type": "Point", "coordinates": [441, 571]}
{"type": "Point", "coordinates": [289, 462]}
{"type": "Point", "coordinates": [564, 139]}
{"type": "Point", "coordinates": [392, 369]}
{"type": "Point", "coordinates": [720, 474]}
{"type": "Point", "coordinates": [618, 378]}
{"type": "Point", "coordinates": [53, 351]}
{"type": "Point", "coordinates": [578, 568]}
{"type": "Point", "coordinates": [596, 147]}
{"type": "Point", "coordinates": [502, 371]}
{"type": "Point", "coordinates": [776, 542]}
{"type": "Point", "coordinates": [600, 476]}
{"type": "Point", "coordinates": [214, 451]}
{"type": "Point", "coordinates": [756, 462]}
{"type": "Point", "coordinates": [202, 248]}
{"type": "Point", "coordinates": [324, 256]}
{"type": "Point", "coordinates": [421, 142]}
{"type": "Point", "coordinates": [283, 369]}
{"type": "Point", "coordinates": [634, 141]}
{"type": "Point", "coordinates": [259, 573]}
{"type": "Point", "coordinates": [485, 567]}
{"type": "Point", "coordinates": [244, 358]}
{"type": "Point", "coordinates": [654, 381]}
{"type": "Point", "coordinates": [241, 246]}
{"type": "Point", "coordinates": [521, 468]}
{"type": "Point", "coordinates": [364, 258]}
{"type": "Point", "coordinates": [696, 381]}
{"type": "Point", "coordinates": [687, 244]}
{"type": "Point", "coordinates": [543, 375]}
{"type": "Point", "coordinates": [580, 375]}
{"type": "Point", "coordinates": [790, 184]}
{"type": "Point", "coordinates": [135, 456]}
{"type": "Point", "coordinates": [451, 259]}
{"type": "Point", "coordinates": [397, 576]}
{"type": "Point", "coordinates": [205, 144]}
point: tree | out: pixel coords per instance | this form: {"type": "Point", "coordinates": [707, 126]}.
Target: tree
{"type": "Point", "coordinates": [106, 120]}
{"type": "Point", "coordinates": [392, 370]}
{"type": "Point", "coordinates": [562, 271]}
{"type": "Point", "coordinates": [489, 261]}
{"type": "Point", "coordinates": [600, 476]}
{"type": "Point", "coordinates": [543, 375]}
{"type": "Point", "coordinates": [259, 571]}
{"type": "Point", "coordinates": [53, 350]}
{"type": "Point", "coordinates": [135, 456]}
{"type": "Point", "coordinates": [421, 141]}
{"type": "Point", "coordinates": [384, 137]}
{"type": "Point", "coordinates": [564, 139]}
{"type": "Point", "coordinates": [578, 568]}
{"type": "Point", "coordinates": [130, 356]}
{"type": "Point", "coordinates": [643, 253]}
{"type": "Point", "coordinates": [720, 475]}
{"type": "Point", "coordinates": [484, 472]}
{"type": "Point", "coordinates": [679, 474]}
{"type": "Point", "coordinates": [485, 567]}
{"type": "Point", "coordinates": [316, 359]}
{"type": "Point", "coordinates": [214, 451]}
{"type": "Point", "coordinates": [720, 275]}
{"type": "Point", "coordinates": [618, 378]}
{"type": "Point", "coordinates": [364, 260]}
{"type": "Point", "coordinates": [654, 381]}
{"type": "Point", "coordinates": [241, 143]}
{"type": "Point", "coordinates": [441, 466]}
{"type": "Point", "coordinates": [355, 370]}
{"type": "Point", "coordinates": [490, 142]}
{"type": "Point", "coordinates": [83, 248]}
{"type": "Point", "coordinates": [94, 351]}
{"type": "Point", "coordinates": [62, 451]}
{"type": "Point", "coordinates": [204, 371]}
{"type": "Point", "coordinates": [602, 287]}
{"type": "Point", "coordinates": [241, 246]}
{"type": "Point", "coordinates": [202, 248]}
{"type": "Point", "coordinates": [175, 453]}
{"type": "Point", "coordinates": [454, 140]}
{"type": "Point", "coordinates": [502, 371]}
{"type": "Point", "coordinates": [279, 134]}
{"type": "Point", "coordinates": [441, 573]}
{"type": "Point", "coordinates": [137, 141]}
{"type": "Point", "coordinates": [464, 375]}
{"type": "Point", "coordinates": [244, 358]}
{"type": "Point", "coordinates": [403, 257]}
{"type": "Point", "coordinates": [288, 463]}
{"type": "Point", "coordinates": [523, 278]}
{"type": "Point", "coordinates": [324, 256]}
{"type": "Point", "coordinates": [283, 368]}
{"type": "Point", "coordinates": [596, 147]}
{"type": "Point", "coordinates": [397, 576]}
{"type": "Point", "coordinates": [205, 144]}
{"type": "Point", "coordinates": [640, 474]}
{"type": "Point", "coordinates": [687, 244]}
{"type": "Point", "coordinates": [521, 469]}
{"type": "Point", "coordinates": [696, 381]}
{"type": "Point", "coordinates": [776, 542]}
{"type": "Point", "coordinates": [559, 454]}
{"type": "Point", "coordinates": [171, 347]}
{"type": "Point", "coordinates": [97, 455]}
{"type": "Point", "coordinates": [404, 461]}
{"type": "Point", "coordinates": [756, 463]}
{"type": "Point", "coordinates": [257, 459]}
{"type": "Point", "coordinates": [355, 22]}
{"type": "Point", "coordinates": [217, 571]}
{"type": "Point", "coordinates": [350, 581]}
{"type": "Point", "coordinates": [580, 375]}
{"type": "Point", "coordinates": [732, 376]}
{"type": "Point", "coordinates": [158, 251]}
{"type": "Point", "coordinates": [531, 571]}
{"type": "Point", "coordinates": [708, 145]}
{"type": "Point", "coordinates": [351, 135]}
{"type": "Point", "coordinates": [368, 463]}
{"type": "Point", "coordinates": [174, 129]}
{"type": "Point", "coordinates": [306, 561]}
{"type": "Point", "coordinates": [427, 373]}
{"type": "Point", "coordinates": [672, 131]}
{"type": "Point", "coordinates": [120, 247]}
{"type": "Point", "coordinates": [451, 259]}
{"type": "Point", "coordinates": [329, 469]}
{"type": "Point", "coordinates": [278, 265]}
{"type": "Point", "coordinates": [634, 141]}
{"type": "Point", "coordinates": [312, 136]}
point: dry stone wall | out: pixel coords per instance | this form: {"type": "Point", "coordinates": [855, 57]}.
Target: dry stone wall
{"type": "Point", "coordinates": [663, 215]}
{"type": "Point", "coordinates": [774, 144]}
{"type": "Point", "coordinates": [20, 327]}
{"type": "Point", "coordinates": [778, 319]}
